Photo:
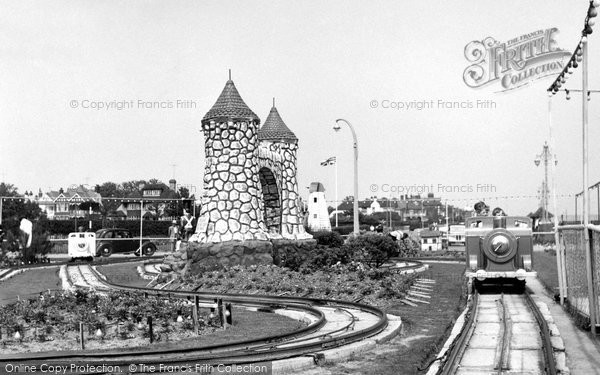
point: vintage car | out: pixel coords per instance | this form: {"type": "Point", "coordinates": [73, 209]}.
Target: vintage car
{"type": "Point", "coordinates": [119, 240]}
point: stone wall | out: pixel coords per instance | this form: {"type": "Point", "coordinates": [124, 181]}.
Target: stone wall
{"type": "Point", "coordinates": [197, 257]}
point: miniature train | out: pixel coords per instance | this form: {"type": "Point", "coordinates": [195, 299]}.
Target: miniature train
{"type": "Point", "coordinates": [499, 249]}
{"type": "Point", "coordinates": [82, 245]}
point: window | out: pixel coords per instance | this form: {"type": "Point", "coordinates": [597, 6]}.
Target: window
{"type": "Point", "coordinates": [315, 199]}
{"type": "Point", "coordinates": [151, 193]}
{"type": "Point", "coordinates": [315, 216]}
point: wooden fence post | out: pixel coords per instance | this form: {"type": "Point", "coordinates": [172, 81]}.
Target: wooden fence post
{"type": "Point", "coordinates": [150, 330]}
{"type": "Point", "coordinates": [196, 314]}
{"type": "Point", "coordinates": [221, 312]}
{"type": "Point", "coordinates": [81, 335]}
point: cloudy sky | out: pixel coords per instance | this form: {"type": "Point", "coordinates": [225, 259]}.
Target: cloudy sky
{"type": "Point", "coordinates": [320, 60]}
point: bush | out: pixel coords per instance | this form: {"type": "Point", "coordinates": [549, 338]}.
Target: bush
{"type": "Point", "coordinates": [373, 248]}
{"type": "Point", "coordinates": [408, 247]}
{"type": "Point", "coordinates": [329, 239]}
{"type": "Point", "coordinates": [320, 257]}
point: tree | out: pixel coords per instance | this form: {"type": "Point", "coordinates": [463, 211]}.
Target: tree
{"type": "Point", "coordinates": [109, 190]}
{"type": "Point", "coordinates": [132, 186]}
{"type": "Point", "coordinates": [184, 192]}
{"type": "Point", "coordinates": [14, 209]}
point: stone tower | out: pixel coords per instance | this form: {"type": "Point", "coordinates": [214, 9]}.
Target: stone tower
{"type": "Point", "coordinates": [230, 206]}
{"type": "Point", "coordinates": [251, 191]}
{"type": "Point", "coordinates": [283, 218]}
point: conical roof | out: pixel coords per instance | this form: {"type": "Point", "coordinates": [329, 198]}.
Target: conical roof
{"type": "Point", "coordinates": [230, 106]}
{"type": "Point", "coordinates": [274, 129]}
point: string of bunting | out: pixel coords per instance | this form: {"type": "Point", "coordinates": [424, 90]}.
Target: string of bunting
{"type": "Point", "coordinates": [576, 57]}
{"type": "Point", "coordinates": [499, 197]}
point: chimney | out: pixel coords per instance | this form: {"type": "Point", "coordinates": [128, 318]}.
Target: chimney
{"type": "Point", "coordinates": [173, 184]}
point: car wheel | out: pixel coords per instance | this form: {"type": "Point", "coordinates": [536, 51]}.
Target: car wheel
{"type": "Point", "coordinates": [105, 250]}
{"type": "Point", "coordinates": [149, 249]}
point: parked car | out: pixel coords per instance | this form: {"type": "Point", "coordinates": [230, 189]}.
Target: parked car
{"type": "Point", "coordinates": [119, 240]}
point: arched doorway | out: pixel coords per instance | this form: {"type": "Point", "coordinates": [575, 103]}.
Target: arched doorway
{"type": "Point", "coordinates": [272, 201]}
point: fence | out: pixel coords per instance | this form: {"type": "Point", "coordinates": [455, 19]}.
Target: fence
{"type": "Point", "coordinates": [578, 258]}
{"type": "Point", "coordinates": [16, 329]}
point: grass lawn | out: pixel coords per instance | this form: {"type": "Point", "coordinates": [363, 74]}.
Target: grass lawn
{"type": "Point", "coordinates": [123, 274]}
{"type": "Point", "coordinates": [545, 265]}
{"type": "Point", "coordinates": [425, 328]}
{"type": "Point", "coordinates": [28, 284]}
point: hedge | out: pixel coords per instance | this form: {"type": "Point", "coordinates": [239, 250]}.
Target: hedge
{"type": "Point", "coordinates": [64, 227]}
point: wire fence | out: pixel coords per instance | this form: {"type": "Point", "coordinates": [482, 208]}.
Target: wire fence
{"type": "Point", "coordinates": [581, 282]}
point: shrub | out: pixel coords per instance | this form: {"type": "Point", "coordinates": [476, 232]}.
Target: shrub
{"type": "Point", "coordinates": [408, 247]}
{"type": "Point", "coordinates": [373, 248]}
{"type": "Point", "coordinates": [320, 257]}
{"type": "Point", "coordinates": [329, 239]}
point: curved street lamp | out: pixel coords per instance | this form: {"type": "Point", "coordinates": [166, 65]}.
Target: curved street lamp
{"type": "Point", "coordinates": [337, 128]}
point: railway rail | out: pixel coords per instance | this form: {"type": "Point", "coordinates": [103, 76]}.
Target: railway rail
{"type": "Point", "coordinates": [333, 324]}
{"type": "Point", "coordinates": [502, 334]}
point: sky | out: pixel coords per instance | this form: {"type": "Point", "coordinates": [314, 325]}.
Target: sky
{"type": "Point", "coordinates": [322, 61]}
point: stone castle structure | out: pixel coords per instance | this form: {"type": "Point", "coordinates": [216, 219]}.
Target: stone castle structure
{"type": "Point", "coordinates": [251, 191]}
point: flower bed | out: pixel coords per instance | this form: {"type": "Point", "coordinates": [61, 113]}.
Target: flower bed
{"type": "Point", "coordinates": [351, 282]}
{"type": "Point", "coordinates": [117, 317]}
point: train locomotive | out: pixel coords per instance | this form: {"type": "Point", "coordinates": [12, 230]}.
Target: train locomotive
{"type": "Point", "coordinates": [499, 250]}
{"type": "Point", "coordinates": [82, 245]}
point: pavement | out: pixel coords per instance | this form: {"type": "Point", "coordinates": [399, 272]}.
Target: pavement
{"type": "Point", "coordinates": [583, 351]}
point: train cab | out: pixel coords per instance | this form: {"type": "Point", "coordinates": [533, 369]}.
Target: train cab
{"type": "Point", "coordinates": [499, 248]}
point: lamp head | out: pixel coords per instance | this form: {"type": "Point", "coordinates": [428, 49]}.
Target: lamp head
{"type": "Point", "coordinates": [537, 162]}
{"type": "Point", "coordinates": [336, 127]}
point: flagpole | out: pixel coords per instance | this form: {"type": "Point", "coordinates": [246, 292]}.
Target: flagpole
{"type": "Point", "coordinates": [336, 193]}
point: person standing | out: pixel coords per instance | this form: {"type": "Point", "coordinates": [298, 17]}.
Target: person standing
{"type": "Point", "coordinates": [187, 223]}
{"type": "Point", "coordinates": [174, 235]}
{"type": "Point", "coordinates": [26, 231]}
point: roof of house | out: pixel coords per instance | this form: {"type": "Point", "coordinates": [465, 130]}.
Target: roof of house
{"type": "Point", "coordinates": [77, 194]}
{"type": "Point", "coordinates": [349, 205]}
{"type": "Point", "coordinates": [230, 106]}
{"type": "Point", "coordinates": [165, 192]}
{"type": "Point", "coordinates": [432, 202]}
{"type": "Point", "coordinates": [274, 129]}
{"type": "Point", "coordinates": [316, 187]}
{"type": "Point", "coordinates": [427, 233]}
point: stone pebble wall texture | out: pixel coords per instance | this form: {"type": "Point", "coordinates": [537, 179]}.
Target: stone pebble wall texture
{"type": "Point", "coordinates": [231, 206]}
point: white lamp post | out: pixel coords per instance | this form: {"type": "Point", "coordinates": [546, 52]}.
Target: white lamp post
{"type": "Point", "coordinates": [337, 127]}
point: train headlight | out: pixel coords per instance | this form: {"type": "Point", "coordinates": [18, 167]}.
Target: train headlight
{"type": "Point", "coordinates": [500, 245]}
{"type": "Point", "coordinates": [473, 262]}
{"type": "Point", "coordinates": [521, 274]}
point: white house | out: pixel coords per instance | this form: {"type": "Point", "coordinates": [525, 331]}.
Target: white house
{"type": "Point", "coordinates": [431, 240]}
{"type": "Point", "coordinates": [318, 218]}
{"type": "Point", "coordinates": [65, 204]}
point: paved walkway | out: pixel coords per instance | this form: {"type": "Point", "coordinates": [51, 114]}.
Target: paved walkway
{"type": "Point", "coordinates": [583, 352]}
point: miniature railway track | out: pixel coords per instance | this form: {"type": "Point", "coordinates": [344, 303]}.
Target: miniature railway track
{"type": "Point", "coordinates": [97, 261]}
{"type": "Point", "coordinates": [499, 337]}
{"type": "Point", "coordinates": [334, 323]}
